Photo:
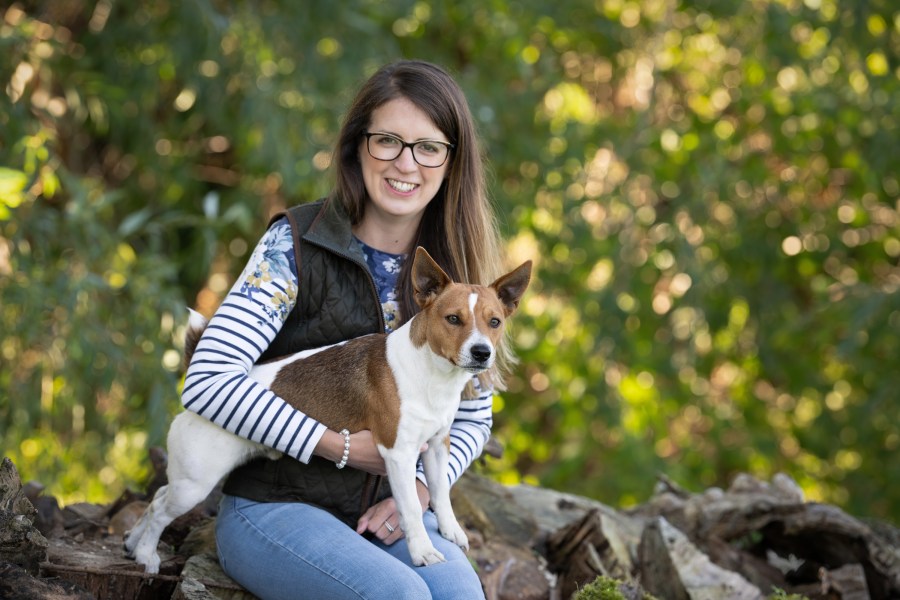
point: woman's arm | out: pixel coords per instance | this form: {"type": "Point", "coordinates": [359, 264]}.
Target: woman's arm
{"type": "Point", "coordinates": [217, 385]}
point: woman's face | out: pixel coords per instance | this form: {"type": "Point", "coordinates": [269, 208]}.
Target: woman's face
{"type": "Point", "coordinates": [401, 188]}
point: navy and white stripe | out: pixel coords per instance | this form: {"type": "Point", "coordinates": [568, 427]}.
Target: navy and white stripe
{"type": "Point", "coordinates": [217, 385]}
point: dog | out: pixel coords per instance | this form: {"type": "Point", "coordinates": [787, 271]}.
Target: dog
{"type": "Point", "coordinates": [406, 387]}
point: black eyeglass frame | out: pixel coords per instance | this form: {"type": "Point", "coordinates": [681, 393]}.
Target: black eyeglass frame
{"type": "Point", "coordinates": [411, 145]}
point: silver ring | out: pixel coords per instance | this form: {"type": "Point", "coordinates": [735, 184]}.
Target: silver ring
{"type": "Point", "coordinates": [388, 527]}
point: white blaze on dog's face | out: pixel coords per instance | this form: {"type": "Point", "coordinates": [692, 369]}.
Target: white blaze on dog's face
{"type": "Point", "coordinates": [466, 326]}
{"type": "Point", "coordinates": [464, 323]}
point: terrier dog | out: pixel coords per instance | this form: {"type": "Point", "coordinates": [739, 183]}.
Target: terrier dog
{"type": "Point", "coordinates": [404, 387]}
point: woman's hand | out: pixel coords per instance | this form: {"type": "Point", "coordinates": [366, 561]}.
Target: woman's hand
{"type": "Point", "coordinates": [383, 517]}
{"type": "Point", "coordinates": [363, 453]}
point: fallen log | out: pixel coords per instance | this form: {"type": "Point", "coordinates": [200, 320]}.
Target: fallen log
{"type": "Point", "coordinates": [768, 532]}
{"type": "Point", "coordinates": [18, 584]}
{"type": "Point", "coordinates": [21, 543]}
{"type": "Point", "coordinates": [672, 567]}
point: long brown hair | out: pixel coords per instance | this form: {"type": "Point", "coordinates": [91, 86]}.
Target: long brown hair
{"type": "Point", "coordinates": [459, 226]}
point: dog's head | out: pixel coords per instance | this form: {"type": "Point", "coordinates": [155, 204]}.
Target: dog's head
{"type": "Point", "coordinates": [460, 322]}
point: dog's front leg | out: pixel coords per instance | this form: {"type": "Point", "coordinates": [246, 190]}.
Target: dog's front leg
{"type": "Point", "coordinates": [436, 460]}
{"type": "Point", "coordinates": [401, 470]}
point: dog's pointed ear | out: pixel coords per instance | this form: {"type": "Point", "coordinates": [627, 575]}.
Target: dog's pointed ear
{"type": "Point", "coordinates": [428, 278]}
{"type": "Point", "coordinates": [511, 286]}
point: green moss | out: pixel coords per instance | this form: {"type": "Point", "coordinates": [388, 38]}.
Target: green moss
{"type": "Point", "coordinates": [780, 594]}
{"type": "Point", "coordinates": [604, 588]}
{"type": "Point", "coordinates": [607, 588]}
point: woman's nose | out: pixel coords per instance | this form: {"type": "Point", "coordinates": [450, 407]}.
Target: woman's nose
{"type": "Point", "coordinates": [406, 161]}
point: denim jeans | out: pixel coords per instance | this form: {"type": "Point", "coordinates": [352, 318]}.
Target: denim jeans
{"type": "Point", "coordinates": [297, 551]}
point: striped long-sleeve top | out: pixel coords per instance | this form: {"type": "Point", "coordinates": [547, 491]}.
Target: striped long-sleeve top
{"type": "Point", "coordinates": [217, 385]}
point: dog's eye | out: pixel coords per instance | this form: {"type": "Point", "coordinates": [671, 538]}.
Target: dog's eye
{"type": "Point", "coordinates": [453, 319]}
{"type": "Point", "coordinates": [494, 323]}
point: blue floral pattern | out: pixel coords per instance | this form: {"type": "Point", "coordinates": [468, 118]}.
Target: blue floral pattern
{"type": "Point", "coordinates": [272, 267]}
{"type": "Point", "coordinates": [385, 269]}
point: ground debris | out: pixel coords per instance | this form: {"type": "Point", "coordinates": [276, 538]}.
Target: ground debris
{"type": "Point", "coordinates": [527, 542]}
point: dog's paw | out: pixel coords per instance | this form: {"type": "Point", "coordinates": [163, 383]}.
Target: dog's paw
{"type": "Point", "coordinates": [429, 558]}
{"type": "Point", "coordinates": [425, 554]}
{"type": "Point", "coordinates": [453, 532]}
{"type": "Point", "coordinates": [151, 562]}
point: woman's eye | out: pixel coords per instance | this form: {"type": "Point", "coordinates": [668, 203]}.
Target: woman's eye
{"type": "Point", "coordinates": [453, 320]}
{"type": "Point", "coordinates": [428, 148]}
{"type": "Point", "coordinates": [386, 140]}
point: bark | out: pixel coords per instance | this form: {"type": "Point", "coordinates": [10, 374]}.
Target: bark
{"type": "Point", "coordinates": [21, 543]}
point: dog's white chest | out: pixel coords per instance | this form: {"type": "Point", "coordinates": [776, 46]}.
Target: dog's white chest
{"type": "Point", "coordinates": [434, 409]}
{"type": "Point", "coordinates": [429, 390]}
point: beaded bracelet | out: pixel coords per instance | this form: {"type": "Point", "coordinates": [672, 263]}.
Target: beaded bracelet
{"type": "Point", "coordinates": [346, 456]}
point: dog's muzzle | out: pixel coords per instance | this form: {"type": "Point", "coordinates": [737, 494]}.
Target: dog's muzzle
{"type": "Point", "coordinates": [481, 356]}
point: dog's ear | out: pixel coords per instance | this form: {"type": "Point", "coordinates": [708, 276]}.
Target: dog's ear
{"type": "Point", "coordinates": [428, 278]}
{"type": "Point", "coordinates": [511, 286]}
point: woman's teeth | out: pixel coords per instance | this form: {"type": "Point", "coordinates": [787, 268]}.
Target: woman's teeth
{"type": "Point", "coordinates": [401, 186]}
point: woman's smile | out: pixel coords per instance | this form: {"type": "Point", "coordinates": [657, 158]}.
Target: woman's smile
{"type": "Point", "coordinates": [401, 186]}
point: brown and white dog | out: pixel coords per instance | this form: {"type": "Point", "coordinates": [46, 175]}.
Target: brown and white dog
{"type": "Point", "coordinates": [405, 387]}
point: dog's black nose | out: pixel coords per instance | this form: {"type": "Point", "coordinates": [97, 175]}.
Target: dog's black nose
{"type": "Point", "coordinates": [481, 352]}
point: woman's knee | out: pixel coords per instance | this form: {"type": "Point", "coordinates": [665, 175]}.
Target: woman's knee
{"type": "Point", "coordinates": [409, 586]}
{"type": "Point", "coordinates": [454, 579]}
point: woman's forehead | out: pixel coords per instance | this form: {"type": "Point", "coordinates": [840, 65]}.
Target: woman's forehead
{"type": "Point", "coordinates": [401, 117]}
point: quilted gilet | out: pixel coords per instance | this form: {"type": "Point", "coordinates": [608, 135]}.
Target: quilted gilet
{"type": "Point", "coordinates": [336, 300]}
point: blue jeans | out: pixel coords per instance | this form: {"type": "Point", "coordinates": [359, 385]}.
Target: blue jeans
{"type": "Point", "coordinates": [295, 551]}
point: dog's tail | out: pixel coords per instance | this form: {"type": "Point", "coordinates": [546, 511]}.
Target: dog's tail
{"type": "Point", "coordinates": [195, 326]}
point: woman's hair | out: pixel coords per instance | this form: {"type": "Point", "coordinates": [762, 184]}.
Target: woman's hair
{"type": "Point", "coordinates": [459, 228]}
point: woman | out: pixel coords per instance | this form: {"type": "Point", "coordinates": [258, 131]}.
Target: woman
{"type": "Point", "coordinates": [409, 174]}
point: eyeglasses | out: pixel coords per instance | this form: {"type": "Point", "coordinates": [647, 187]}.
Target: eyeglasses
{"type": "Point", "coordinates": [428, 153]}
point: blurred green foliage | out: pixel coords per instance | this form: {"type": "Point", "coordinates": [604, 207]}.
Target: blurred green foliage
{"type": "Point", "coordinates": [711, 191]}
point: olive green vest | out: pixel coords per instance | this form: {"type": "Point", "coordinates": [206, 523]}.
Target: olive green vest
{"type": "Point", "coordinates": [332, 275]}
